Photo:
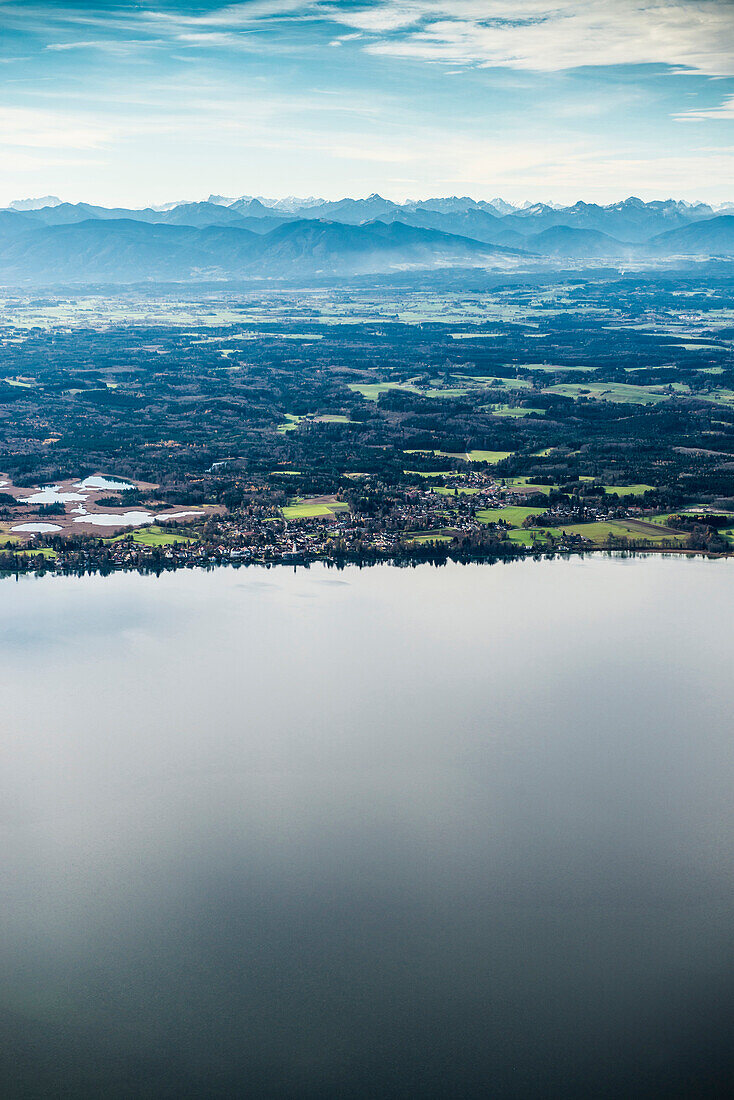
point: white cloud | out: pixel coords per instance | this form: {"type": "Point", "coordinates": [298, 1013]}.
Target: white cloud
{"type": "Point", "coordinates": [565, 173]}
{"type": "Point", "coordinates": [239, 128]}
{"type": "Point", "coordinates": [232, 16]}
{"type": "Point", "coordinates": [26, 127]}
{"type": "Point", "coordinates": [381, 17]}
{"type": "Point", "coordinates": [725, 111]}
{"type": "Point", "coordinates": [540, 35]}
{"type": "Point", "coordinates": [551, 35]}
{"type": "Point", "coordinates": [117, 47]}
{"type": "Point", "coordinates": [38, 164]}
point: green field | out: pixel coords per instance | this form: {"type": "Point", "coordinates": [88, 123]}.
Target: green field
{"type": "Point", "coordinates": [488, 380]}
{"type": "Point", "coordinates": [156, 536]}
{"type": "Point", "coordinates": [290, 424]}
{"type": "Point", "coordinates": [528, 537]}
{"type": "Point", "coordinates": [601, 532]}
{"type": "Point", "coordinates": [628, 490]}
{"type": "Point", "coordinates": [515, 516]}
{"type": "Point", "coordinates": [309, 509]}
{"type": "Point", "coordinates": [701, 347]}
{"type": "Point", "coordinates": [429, 536]}
{"type": "Point", "coordinates": [619, 392]}
{"type": "Point", "coordinates": [292, 420]}
{"type": "Point", "coordinates": [153, 536]}
{"type": "Point", "coordinates": [41, 552]}
{"type": "Point", "coordinates": [444, 391]}
{"type": "Point", "coordinates": [492, 457]}
{"type": "Point", "coordinates": [554, 368]}
{"type": "Point", "coordinates": [460, 490]}
{"type": "Point", "coordinates": [525, 483]}
{"type": "Point", "coordinates": [660, 520]}
{"type": "Point", "coordinates": [720, 396]}
{"type": "Point", "coordinates": [429, 473]}
{"type": "Point", "coordinates": [515, 411]}
{"type": "Point", "coordinates": [371, 390]}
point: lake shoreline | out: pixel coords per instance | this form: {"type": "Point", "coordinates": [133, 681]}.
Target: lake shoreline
{"type": "Point", "coordinates": [30, 561]}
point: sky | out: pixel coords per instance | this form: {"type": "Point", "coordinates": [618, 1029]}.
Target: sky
{"type": "Point", "coordinates": [135, 103]}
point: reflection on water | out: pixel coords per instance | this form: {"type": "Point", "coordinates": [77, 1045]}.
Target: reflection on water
{"type": "Point", "coordinates": [39, 528]}
{"type": "Point", "coordinates": [115, 519]}
{"type": "Point", "coordinates": [52, 494]}
{"type": "Point", "coordinates": [454, 832]}
{"type": "Point", "coordinates": [98, 482]}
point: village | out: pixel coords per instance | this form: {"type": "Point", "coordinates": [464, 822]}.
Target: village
{"type": "Point", "coordinates": [472, 516]}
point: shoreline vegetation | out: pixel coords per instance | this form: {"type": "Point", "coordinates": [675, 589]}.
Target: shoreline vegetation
{"type": "Point", "coordinates": [470, 515]}
{"type": "Point", "coordinates": [82, 562]}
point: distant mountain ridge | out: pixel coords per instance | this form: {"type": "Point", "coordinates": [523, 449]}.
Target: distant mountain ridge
{"type": "Point", "coordinates": [713, 235]}
{"type": "Point", "coordinates": [630, 219]}
{"type": "Point", "coordinates": [123, 250]}
{"type": "Point", "coordinates": [252, 237]}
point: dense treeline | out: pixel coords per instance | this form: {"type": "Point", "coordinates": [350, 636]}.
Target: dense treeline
{"type": "Point", "coordinates": [203, 409]}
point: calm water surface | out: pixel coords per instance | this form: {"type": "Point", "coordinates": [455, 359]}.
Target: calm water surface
{"type": "Point", "coordinates": [417, 833]}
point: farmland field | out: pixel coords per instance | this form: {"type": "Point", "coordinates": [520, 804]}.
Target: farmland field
{"type": "Point", "coordinates": [306, 509]}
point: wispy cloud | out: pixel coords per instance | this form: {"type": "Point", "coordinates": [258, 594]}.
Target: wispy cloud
{"type": "Point", "coordinates": [114, 46]}
{"type": "Point", "coordinates": [551, 35]}
{"type": "Point", "coordinates": [567, 98]}
{"type": "Point", "coordinates": [25, 127]}
{"type": "Point", "coordinates": [536, 35]}
{"type": "Point", "coordinates": [33, 164]}
{"type": "Point", "coordinates": [725, 110]}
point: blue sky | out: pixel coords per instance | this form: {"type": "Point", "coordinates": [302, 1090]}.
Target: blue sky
{"type": "Point", "coordinates": [137, 102]}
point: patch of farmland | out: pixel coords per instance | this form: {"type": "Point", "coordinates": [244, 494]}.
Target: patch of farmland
{"type": "Point", "coordinates": [628, 490]}
{"type": "Point", "coordinates": [514, 515]}
{"type": "Point", "coordinates": [515, 411]}
{"type": "Point", "coordinates": [315, 508]}
{"type": "Point", "coordinates": [619, 392]}
{"type": "Point", "coordinates": [601, 531]}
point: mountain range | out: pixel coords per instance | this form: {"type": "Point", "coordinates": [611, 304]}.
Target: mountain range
{"type": "Point", "coordinates": [48, 240]}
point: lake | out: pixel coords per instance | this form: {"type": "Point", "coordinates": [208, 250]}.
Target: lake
{"type": "Point", "coordinates": [425, 832]}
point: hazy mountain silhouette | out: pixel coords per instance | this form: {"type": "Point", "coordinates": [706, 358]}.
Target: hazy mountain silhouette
{"type": "Point", "coordinates": [351, 211]}
{"type": "Point", "coordinates": [99, 250]}
{"type": "Point", "coordinates": [712, 237]}
{"type": "Point", "coordinates": [12, 222]}
{"type": "Point", "coordinates": [563, 240]}
{"type": "Point", "coordinates": [79, 242]}
{"type": "Point", "coordinates": [631, 220]}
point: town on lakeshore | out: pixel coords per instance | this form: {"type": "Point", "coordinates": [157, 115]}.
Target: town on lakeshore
{"type": "Point", "coordinates": [471, 517]}
{"type": "Point", "coordinates": [457, 415]}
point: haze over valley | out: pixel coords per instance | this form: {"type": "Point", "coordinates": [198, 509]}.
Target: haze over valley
{"type": "Point", "coordinates": [49, 241]}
